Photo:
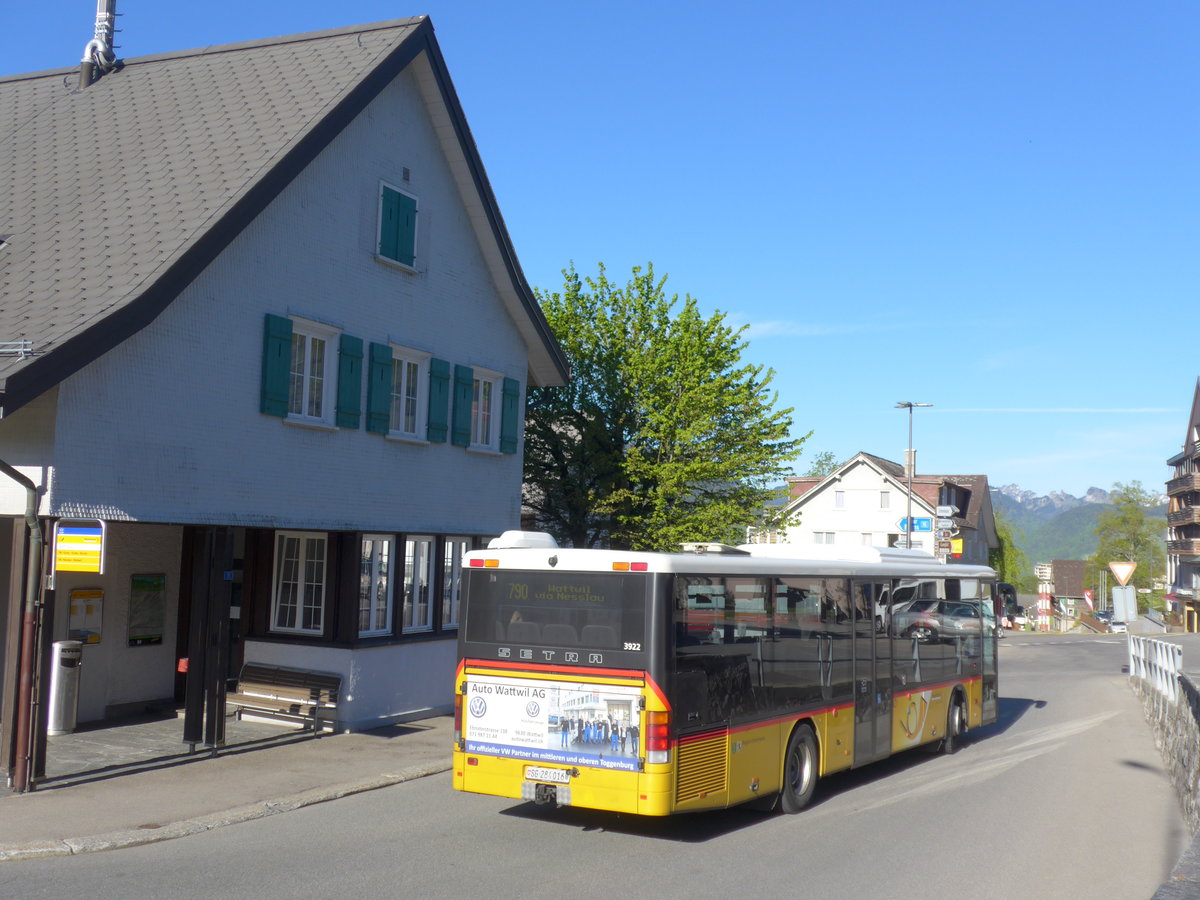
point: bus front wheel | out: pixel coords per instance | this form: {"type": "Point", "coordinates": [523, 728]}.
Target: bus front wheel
{"type": "Point", "coordinates": [799, 770]}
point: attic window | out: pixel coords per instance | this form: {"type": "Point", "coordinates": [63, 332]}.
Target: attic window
{"type": "Point", "coordinates": [397, 226]}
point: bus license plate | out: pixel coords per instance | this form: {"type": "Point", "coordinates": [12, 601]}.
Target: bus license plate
{"type": "Point", "coordinates": [541, 773]}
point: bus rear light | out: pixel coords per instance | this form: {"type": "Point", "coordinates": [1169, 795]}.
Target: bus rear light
{"type": "Point", "coordinates": [639, 567]}
{"type": "Point", "coordinates": [658, 740]}
{"type": "Point", "coordinates": [458, 698]}
{"type": "Point", "coordinates": [477, 564]}
{"type": "Point", "coordinates": [484, 563]}
{"type": "Point", "coordinates": [630, 567]}
{"type": "Point", "coordinates": [620, 567]}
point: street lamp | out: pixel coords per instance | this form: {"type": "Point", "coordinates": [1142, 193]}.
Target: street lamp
{"type": "Point", "coordinates": [910, 465]}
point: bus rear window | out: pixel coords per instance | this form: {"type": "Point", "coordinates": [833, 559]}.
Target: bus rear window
{"type": "Point", "coordinates": [597, 611]}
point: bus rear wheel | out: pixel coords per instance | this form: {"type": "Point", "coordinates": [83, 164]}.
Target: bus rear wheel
{"type": "Point", "coordinates": [799, 770]}
{"type": "Point", "coordinates": [954, 726]}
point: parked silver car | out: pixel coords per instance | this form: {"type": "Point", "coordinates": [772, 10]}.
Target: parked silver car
{"type": "Point", "coordinates": [931, 620]}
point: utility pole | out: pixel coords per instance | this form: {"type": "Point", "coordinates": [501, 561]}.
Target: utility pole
{"type": "Point", "coordinates": [910, 466]}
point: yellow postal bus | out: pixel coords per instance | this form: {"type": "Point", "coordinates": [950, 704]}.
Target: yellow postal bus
{"type": "Point", "coordinates": [659, 683]}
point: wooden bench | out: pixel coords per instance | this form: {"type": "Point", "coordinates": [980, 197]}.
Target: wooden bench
{"type": "Point", "coordinates": [287, 695]}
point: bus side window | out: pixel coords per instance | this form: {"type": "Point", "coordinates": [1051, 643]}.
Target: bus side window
{"type": "Point", "coordinates": [700, 611]}
{"type": "Point", "coordinates": [751, 619]}
{"type": "Point", "coordinates": [792, 662]}
{"type": "Point", "coordinates": [837, 664]}
{"type": "Point", "coordinates": [719, 627]}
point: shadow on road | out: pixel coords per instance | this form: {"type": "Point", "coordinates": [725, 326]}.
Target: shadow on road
{"type": "Point", "coordinates": [1008, 713]}
{"type": "Point", "coordinates": [697, 828]}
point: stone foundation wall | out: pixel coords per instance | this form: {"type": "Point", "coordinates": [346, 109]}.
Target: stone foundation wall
{"type": "Point", "coordinates": [1177, 733]}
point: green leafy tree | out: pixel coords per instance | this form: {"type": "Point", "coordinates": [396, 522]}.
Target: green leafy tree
{"type": "Point", "coordinates": [664, 434]}
{"type": "Point", "coordinates": [824, 463]}
{"type": "Point", "coordinates": [1128, 532]}
{"type": "Point", "coordinates": [1008, 559]}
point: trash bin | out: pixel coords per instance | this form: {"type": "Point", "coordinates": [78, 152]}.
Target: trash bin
{"type": "Point", "coordinates": [65, 659]}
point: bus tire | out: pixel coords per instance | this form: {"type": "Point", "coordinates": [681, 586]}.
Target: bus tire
{"type": "Point", "coordinates": [799, 769]}
{"type": "Point", "coordinates": [951, 741]}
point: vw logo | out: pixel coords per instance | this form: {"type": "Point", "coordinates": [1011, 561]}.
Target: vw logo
{"type": "Point", "coordinates": [532, 709]}
{"type": "Point", "coordinates": [478, 706]}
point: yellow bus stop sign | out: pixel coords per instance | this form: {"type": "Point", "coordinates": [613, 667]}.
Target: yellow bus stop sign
{"type": "Point", "coordinates": [79, 547]}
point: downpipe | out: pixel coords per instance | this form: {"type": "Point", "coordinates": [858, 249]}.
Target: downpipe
{"type": "Point", "coordinates": [26, 654]}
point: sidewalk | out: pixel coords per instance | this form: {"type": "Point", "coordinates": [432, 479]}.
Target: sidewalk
{"type": "Point", "coordinates": [198, 793]}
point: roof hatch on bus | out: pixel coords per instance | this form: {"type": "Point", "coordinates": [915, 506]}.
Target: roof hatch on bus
{"type": "Point", "coordinates": [517, 539]}
{"type": "Point", "coordinates": [713, 547]}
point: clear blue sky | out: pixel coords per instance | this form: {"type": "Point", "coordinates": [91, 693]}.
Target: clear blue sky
{"type": "Point", "coordinates": [988, 206]}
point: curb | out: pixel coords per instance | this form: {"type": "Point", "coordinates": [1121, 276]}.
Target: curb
{"type": "Point", "coordinates": [151, 834]}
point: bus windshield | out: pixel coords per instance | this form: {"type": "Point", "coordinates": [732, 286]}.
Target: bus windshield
{"type": "Point", "coordinates": [595, 611]}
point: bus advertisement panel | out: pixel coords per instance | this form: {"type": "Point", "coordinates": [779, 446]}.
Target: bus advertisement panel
{"type": "Point", "coordinates": [565, 723]}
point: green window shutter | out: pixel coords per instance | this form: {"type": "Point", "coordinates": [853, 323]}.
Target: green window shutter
{"type": "Point", "coordinates": [464, 390]}
{"type": "Point", "coordinates": [406, 238]}
{"type": "Point", "coordinates": [379, 389]}
{"type": "Point", "coordinates": [389, 218]}
{"type": "Point", "coordinates": [277, 365]}
{"type": "Point", "coordinates": [398, 227]}
{"type": "Point", "coordinates": [349, 393]}
{"type": "Point", "coordinates": [509, 411]}
{"type": "Point", "coordinates": [439, 401]}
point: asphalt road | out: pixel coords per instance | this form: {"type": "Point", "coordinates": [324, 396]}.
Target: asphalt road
{"type": "Point", "coordinates": [1065, 796]}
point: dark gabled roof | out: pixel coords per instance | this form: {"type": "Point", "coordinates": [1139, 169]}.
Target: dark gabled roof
{"type": "Point", "coordinates": [115, 197]}
{"type": "Point", "coordinates": [886, 465]}
{"type": "Point", "coordinates": [977, 486]}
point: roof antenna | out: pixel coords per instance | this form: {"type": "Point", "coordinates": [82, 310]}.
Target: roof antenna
{"type": "Point", "coordinates": [98, 54]}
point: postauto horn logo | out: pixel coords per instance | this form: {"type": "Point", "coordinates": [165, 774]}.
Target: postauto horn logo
{"type": "Point", "coordinates": [478, 706]}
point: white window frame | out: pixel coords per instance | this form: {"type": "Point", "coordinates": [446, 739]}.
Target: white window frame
{"type": "Point", "coordinates": [299, 580]}
{"type": "Point", "coordinates": [885, 499]}
{"type": "Point", "coordinates": [418, 583]}
{"type": "Point", "coordinates": [299, 405]}
{"type": "Point", "coordinates": [839, 499]}
{"type": "Point", "coordinates": [485, 417]}
{"type": "Point", "coordinates": [375, 590]}
{"type": "Point", "coordinates": [822, 537]}
{"type": "Point", "coordinates": [453, 549]}
{"type": "Point", "coordinates": [406, 360]}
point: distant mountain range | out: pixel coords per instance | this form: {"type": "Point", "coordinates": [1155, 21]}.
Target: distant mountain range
{"type": "Point", "coordinates": [1056, 525]}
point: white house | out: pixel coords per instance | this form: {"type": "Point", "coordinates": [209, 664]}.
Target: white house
{"type": "Point", "coordinates": [865, 502]}
{"type": "Point", "coordinates": [264, 322]}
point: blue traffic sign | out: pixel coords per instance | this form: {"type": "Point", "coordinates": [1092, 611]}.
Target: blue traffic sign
{"type": "Point", "coordinates": [919, 524]}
